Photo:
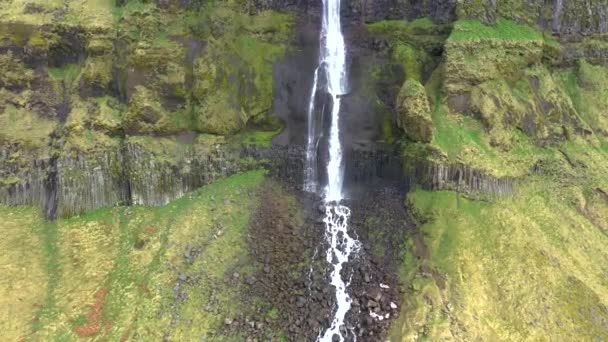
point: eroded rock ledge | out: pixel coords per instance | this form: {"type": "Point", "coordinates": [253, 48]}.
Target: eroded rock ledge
{"type": "Point", "coordinates": [136, 172]}
{"type": "Point", "coordinates": [153, 172]}
{"type": "Point", "coordinates": [458, 177]}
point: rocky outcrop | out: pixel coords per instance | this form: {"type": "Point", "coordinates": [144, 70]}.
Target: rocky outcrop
{"type": "Point", "coordinates": [458, 177]}
{"type": "Point", "coordinates": [414, 112]}
{"type": "Point", "coordinates": [579, 17]}
{"type": "Point", "coordinates": [593, 48]}
{"type": "Point", "coordinates": [430, 168]}
{"type": "Point", "coordinates": [85, 182]}
{"type": "Point", "coordinates": [504, 75]}
{"type": "Point", "coordinates": [156, 180]}
{"type": "Point", "coordinates": [139, 171]}
{"type": "Point", "coordinates": [23, 178]}
{"type": "Point", "coordinates": [375, 10]}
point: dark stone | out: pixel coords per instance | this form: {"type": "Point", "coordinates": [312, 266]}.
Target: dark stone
{"type": "Point", "coordinates": [250, 279]}
{"type": "Point", "coordinates": [301, 302]}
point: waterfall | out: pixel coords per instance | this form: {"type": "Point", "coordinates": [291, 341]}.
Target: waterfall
{"type": "Point", "coordinates": [310, 168]}
{"type": "Point", "coordinates": [332, 62]}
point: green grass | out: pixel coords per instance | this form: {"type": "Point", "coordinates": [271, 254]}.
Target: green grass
{"type": "Point", "coordinates": [68, 73]}
{"type": "Point", "coordinates": [421, 30]}
{"type": "Point", "coordinates": [587, 87]}
{"type": "Point", "coordinates": [500, 260]}
{"type": "Point", "coordinates": [135, 255]}
{"type": "Point", "coordinates": [464, 139]}
{"type": "Point", "coordinates": [18, 125]}
{"type": "Point", "coordinates": [259, 138]}
{"type": "Point", "coordinates": [504, 29]}
{"type": "Point", "coordinates": [49, 237]}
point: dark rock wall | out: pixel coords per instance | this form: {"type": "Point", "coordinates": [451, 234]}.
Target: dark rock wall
{"type": "Point", "coordinates": [458, 177]}
{"type": "Point", "coordinates": [563, 17]}
{"type": "Point", "coordinates": [128, 175]}
{"type": "Point", "coordinates": [580, 17]}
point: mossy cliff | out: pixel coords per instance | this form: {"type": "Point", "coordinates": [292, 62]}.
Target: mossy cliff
{"type": "Point", "coordinates": [509, 193]}
{"type": "Point", "coordinates": [105, 103]}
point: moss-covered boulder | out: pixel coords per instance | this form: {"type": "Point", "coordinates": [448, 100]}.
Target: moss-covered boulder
{"type": "Point", "coordinates": [96, 76]}
{"type": "Point", "coordinates": [414, 112]}
{"type": "Point", "coordinates": [217, 110]}
{"type": "Point", "coordinates": [13, 73]}
{"type": "Point", "coordinates": [146, 115]}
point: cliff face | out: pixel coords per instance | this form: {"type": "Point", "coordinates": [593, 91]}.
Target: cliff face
{"type": "Point", "coordinates": [79, 83]}
{"type": "Point", "coordinates": [517, 104]}
{"type": "Point", "coordinates": [491, 115]}
{"type": "Point", "coordinates": [94, 94]}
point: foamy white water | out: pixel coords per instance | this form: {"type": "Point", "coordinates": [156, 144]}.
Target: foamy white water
{"type": "Point", "coordinates": [341, 246]}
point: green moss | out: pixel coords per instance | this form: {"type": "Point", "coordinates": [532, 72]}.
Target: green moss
{"type": "Point", "coordinates": [14, 73]}
{"type": "Point", "coordinates": [233, 92]}
{"type": "Point", "coordinates": [68, 73]}
{"type": "Point", "coordinates": [504, 29]}
{"type": "Point", "coordinates": [498, 260]}
{"type": "Point", "coordinates": [273, 314]}
{"type": "Point", "coordinates": [409, 59]}
{"type": "Point", "coordinates": [147, 115]}
{"type": "Point", "coordinates": [108, 114]}
{"type": "Point", "coordinates": [24, 127]}
{"type": "Point", "coordinates": [413, 112]}
{"type": "Point", "coordinates": [233, 80]}
{"type": "Point", "coordinates": [97, 73]}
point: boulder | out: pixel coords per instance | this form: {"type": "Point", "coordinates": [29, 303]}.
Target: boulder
{"type": "Point", "coordinates": [414, 112]}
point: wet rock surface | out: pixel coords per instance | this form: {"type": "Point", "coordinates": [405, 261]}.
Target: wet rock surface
{"type": "Point", "coordinates": [287, 249]}
{"type": "Point", "coordinates": [294, 275]}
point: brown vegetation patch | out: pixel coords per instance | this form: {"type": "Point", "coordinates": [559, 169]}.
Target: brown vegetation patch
{"type": "Point", "coordinates": [95, 317]}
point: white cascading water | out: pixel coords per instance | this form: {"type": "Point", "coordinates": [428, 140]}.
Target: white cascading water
{"type": "Point", "coordinates": [332, 61]}
{"type": "Point", "coordinates": [310, 169]}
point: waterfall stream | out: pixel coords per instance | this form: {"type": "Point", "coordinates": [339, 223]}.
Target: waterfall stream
{"type": "Point", "coordinates": [332, 62]}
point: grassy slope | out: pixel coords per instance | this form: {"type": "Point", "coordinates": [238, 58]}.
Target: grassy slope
{"type": "Point", "coordinates": [528, 267]}
{"type": "Point", "coordinates": [112, 273]}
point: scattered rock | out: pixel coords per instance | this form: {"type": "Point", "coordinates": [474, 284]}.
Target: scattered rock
{"type": "Point", "coordinates": [321, 208]}
{"type": "Point", "coordinates": [250, 279]}
{"type": "Point", "coordinates": [301, 302]}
